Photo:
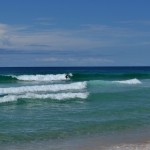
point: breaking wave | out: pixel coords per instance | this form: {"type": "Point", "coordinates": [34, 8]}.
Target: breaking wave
{"type": "Point", "coordinates": [106, 82]}
{"type": "Point", "coordinates": [48, 77]}
{"type": "Point", "coordinates": [59, 96]}
{"type": "Point", "coordinates": [44, 88]}
{"type": "Point", "coordinates": [38, 77]}
{"type": "Point", "coordinates": [131, 81]}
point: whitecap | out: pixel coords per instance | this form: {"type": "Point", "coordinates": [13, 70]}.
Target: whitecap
{"type": "Point", "coordinates": [47, 77]}
{"type": "Point", "coordinates": [130, 81]}
{"type": "Point", "coordinates": [44, 88]}
{"type": "Point", "coordinates": [58, 96]}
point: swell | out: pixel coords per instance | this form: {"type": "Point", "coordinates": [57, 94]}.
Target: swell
{"type": "Point", "coordinates": [7, 78]}
{"type": "Point", "coordinates": [63, 87]}
{"type": "Point", "coordinates": [66, 91]}
{"type": "Point", "coordinates": [37, 77]}
{"type": "Point", "coordinates": [44, 88]}
{"type": "Point", "coordinates": [54, 96]}
{"type": "Point", "coordinates": [74, 77]}
{"type": "Point", "coordinates": [50, 91]}
{"type": "Point", "coordinates": [46, 77]}
{"type": "Point", "coordinates": [104, 82]}
{"type": "Point", "coordinates": [109, 76]}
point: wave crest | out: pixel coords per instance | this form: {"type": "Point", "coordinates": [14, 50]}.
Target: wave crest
{"type": "Point", "coordinates": [106, 82]}
{"type": "Point", "coordinates": [44, 88]}
{"type": "Point", "coordinates": [48, 77]}
{"type": "Point", "coordinates": [131, 81]}
{"type": "Point", "coordinates": [59, 96]}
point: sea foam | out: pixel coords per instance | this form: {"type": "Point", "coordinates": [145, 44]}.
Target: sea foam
{"type": "Point", "coordinates": [44, 88]}
{"type": "Point", "coordinates": [47, 77]}
{"type": "Point", "coordinates": [130, 81]}
{"type": "Point", "coordinates": [58, 96]}
{"type": "Point", "coordinates": [107, 83]}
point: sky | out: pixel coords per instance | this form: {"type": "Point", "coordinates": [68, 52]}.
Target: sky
{"type": "Point", "coordinates": [74, 33]}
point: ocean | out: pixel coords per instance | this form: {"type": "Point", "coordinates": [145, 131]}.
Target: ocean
{"type": "Point", "coordinates": [39, 106]}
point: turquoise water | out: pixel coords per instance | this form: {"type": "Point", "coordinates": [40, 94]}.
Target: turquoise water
{"type": "Point", "coordinates": [38, 104]}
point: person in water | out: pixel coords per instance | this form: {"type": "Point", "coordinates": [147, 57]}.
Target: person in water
{"type": "Point", "coordinates": [67, 76]}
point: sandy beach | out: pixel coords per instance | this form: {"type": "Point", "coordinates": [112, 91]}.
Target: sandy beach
{"type": "Point", "coordinates": [76, 146]}
{"type": "Point", "coordinates": [109, 142]}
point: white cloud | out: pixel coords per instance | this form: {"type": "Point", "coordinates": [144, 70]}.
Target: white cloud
{"type": "Point", "coordinates": [90, 61]}
{"type": "Point", "coordinates": [51, 39]}
{"type": "Point", "coordinates": [87, 37]}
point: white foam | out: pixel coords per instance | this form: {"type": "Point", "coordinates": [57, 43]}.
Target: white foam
{"type": "Point", "coordinates": [48, 77]}
{"type": "Point", "coordinates": [59, 96]}
{"type": "Point", "coordinates": [131, 81]}
{"type": "Point", "coordinates": [44, 88]}
{"type": "Point", "coordinates": [8, 98]}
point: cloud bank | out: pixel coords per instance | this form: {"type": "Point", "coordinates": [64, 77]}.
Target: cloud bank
{"type": "Point", "coordinates": [43, 44]}
{"type": "Point", "coordinates": [84, 37]}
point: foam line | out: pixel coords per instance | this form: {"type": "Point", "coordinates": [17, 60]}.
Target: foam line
{"type": "Point", "coordinates": [48, 77]}
{"type": "Point", "coordinates": [59, 96]}
{"type": "Point", "coordinates": [131, 81]}
{"type": "Point", "coordinates": [44, 88]}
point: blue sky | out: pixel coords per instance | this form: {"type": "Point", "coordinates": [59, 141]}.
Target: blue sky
{"type": "Point", "coordinates": [74, 33]}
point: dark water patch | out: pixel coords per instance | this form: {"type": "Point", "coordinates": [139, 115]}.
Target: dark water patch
{"type": "Point", "coordinates": [109, 76]}
{"type": "Point", "coordinates": [7, 78]}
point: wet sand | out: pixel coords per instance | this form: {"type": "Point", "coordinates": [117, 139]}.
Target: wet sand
{"type": "Point", "coordinates": [124, 141]}
{"type": "Point", "coordinates": [65, 146]}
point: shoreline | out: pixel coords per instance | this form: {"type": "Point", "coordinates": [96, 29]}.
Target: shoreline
{"type": "Point", "coordinates": [122, 141]}
{"type": "Point", "coordinates": [76, 146]}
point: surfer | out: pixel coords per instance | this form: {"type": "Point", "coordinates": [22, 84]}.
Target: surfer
{"type": "Point", "coordinates": [67, 76]}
